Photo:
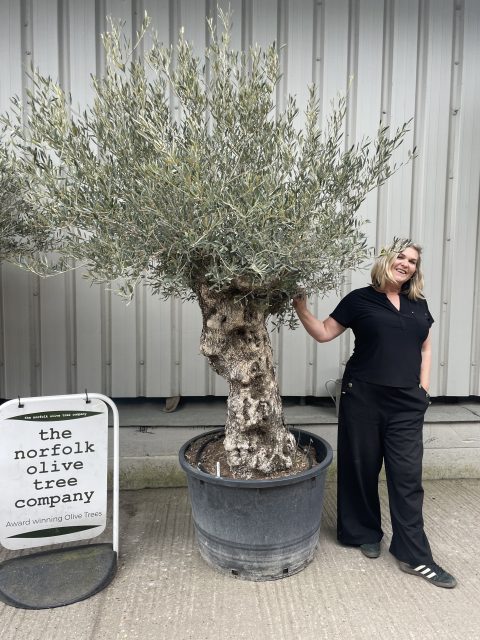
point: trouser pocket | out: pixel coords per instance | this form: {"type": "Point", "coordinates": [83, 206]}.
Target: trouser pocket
{"type": "Point", "coordinates": [424, 395]}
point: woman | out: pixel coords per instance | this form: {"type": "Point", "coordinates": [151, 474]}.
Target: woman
{"type": "Point", "coordinates": [383, 402]}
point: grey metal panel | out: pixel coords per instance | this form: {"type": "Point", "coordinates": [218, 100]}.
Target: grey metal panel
{"type": "Point", "coordinates": [396, 59]}
{"type": "Point", "coordinates": [265, 20]}
{"type": "Point", "coordinates": [52, 297]}
{"type": "Point", "coordinates": [193, 372]}
{"type": "Point", "coordinates": [124, 347]}
{"type": "Point", "coordinates": [398, 105]}
{"type": "Point", "coordinates": [159, 14]}
{"type": "Point", "coordinates": [438, 94]}
{"type": "Point", "coordinates": [193, 19]}
{"type": "Point", "coordinates": [475, 344]}
{"type": "Point", "coordinates": [10, 51]}
{"type": "Point", "coordinates": [463, 186]}
{"type": "Point", "coordinates": [159, 360]}
{"type": "Point", "coordinates": [16, 325]}
{"type": "Point", "coordinates": [79, 35]}
{"type": "Point", "coordinates": [87, 359]}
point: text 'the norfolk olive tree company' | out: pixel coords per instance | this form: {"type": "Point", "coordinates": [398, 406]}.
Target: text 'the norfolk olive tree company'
{"type": "Point", "coordinates": [224, 199]}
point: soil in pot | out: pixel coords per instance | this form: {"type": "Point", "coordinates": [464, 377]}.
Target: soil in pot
{"type": "Point", "coordinates": [206, 452]}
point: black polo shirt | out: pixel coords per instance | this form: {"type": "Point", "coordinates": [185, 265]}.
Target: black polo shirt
{"type": "Point", "coordinates": [388, 342]}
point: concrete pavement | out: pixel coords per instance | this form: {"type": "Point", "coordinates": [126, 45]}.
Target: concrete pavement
{"type": "Point", "coordinates": [164, 590]}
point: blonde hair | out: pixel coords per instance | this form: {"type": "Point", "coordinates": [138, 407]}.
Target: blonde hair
{"type": "Point", "coordinates": [381, 272]}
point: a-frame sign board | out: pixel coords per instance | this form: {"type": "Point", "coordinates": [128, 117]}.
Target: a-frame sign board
{"type": "Point", "coordinates": [53, 479]}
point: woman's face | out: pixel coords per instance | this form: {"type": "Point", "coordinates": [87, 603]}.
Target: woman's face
{"type": "Point", "coordinates": [405, 265]}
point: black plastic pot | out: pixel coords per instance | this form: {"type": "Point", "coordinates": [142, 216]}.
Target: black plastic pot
{"type": "Point", "coordinates": [259, 529]}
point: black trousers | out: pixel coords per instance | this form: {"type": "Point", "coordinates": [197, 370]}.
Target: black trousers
{"type": "Point", "coordinates": [381, 424]}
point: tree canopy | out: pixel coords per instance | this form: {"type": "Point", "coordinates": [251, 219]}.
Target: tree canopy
{"type": "Point", "coordinates": [224, 189]}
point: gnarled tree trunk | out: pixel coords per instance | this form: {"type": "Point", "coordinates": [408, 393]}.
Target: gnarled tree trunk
{"type": "Point", "coordinates": [236, 342]}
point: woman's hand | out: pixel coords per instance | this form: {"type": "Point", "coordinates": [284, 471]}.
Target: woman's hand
{"type": "Point", "coordinates": [299, 301]}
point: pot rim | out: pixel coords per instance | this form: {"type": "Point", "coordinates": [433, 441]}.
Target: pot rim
{"type": "Point", "coordinates": [256, 484]}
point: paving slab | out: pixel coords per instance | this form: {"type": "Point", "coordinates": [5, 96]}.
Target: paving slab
{"type": "Point", "coordinates": [164, 590]}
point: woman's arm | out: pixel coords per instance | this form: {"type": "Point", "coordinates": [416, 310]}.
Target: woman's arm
{"type": "Point", "coordinates": [426, 363]}
{"type": "Point", "coordinates": [321, 330]}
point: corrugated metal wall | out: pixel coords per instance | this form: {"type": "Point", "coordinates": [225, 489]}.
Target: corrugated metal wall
{"type": "Point", "coordinates": [400, 58]}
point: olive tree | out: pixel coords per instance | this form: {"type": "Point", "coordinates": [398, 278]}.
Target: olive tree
{"type": "Point", "coordinates": [224, 199]}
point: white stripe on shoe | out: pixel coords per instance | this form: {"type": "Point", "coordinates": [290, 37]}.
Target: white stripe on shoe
{"type": "Point", "coordinates": [424, 570]}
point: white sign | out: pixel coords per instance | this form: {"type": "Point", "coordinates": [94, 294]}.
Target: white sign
{"type": "Point", "coordinates": [53, 471]}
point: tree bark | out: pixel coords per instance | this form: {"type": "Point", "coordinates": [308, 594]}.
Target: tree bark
{"type": "Point", "coordinates": [236, 342]}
